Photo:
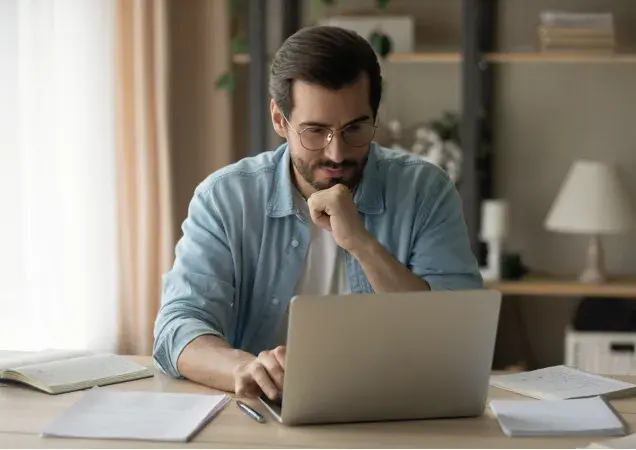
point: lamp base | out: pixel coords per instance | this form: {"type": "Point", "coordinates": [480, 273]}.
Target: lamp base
{"type": "Point", "coordinates": [592, 276]}
{"type": "Point", "coordinates": [594, 272]}
{"type": "Point", "coordinates": [492, 272]}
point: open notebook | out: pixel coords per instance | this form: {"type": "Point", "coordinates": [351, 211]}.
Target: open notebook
{"type": "Point", "coordinates": [153, 416]}
{"type": "Point", "coordinates": [561, 383]}
{"type": "Point", "coordinates": [56, 372]}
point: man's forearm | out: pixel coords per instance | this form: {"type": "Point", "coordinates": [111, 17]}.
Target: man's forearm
{"type": "Point", "coordinates": [209, 360]}
{"type": "Point", "coordinates": [385, 273]}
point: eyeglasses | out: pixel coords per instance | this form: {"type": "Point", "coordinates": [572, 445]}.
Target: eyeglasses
{"type": "Point", "coordinates": [316, 138]}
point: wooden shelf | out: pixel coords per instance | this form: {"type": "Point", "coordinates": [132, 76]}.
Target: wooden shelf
{"type": "Point", "coordinates": [434, 57]}
{"type": "Point", "coordinates": [431, 57]}
{"type": "Point", "coordinates": [548, 286]}
{"type": "Point", "coordinates": [574, 57]}
{"type": "Point", "coordinates": [510, 57]}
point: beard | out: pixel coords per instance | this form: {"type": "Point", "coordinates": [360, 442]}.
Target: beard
{"type": "Point", "coordinates": [308, 171]}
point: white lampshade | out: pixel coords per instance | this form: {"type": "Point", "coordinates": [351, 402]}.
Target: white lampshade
{"type": "Point", "coordinates": [592, 200]}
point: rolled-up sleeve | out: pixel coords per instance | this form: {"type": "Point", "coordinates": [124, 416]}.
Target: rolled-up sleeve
{"type": "Point", "coordinates": [441, 253]}
{"type": "Point", "coordinates": [199, 289]}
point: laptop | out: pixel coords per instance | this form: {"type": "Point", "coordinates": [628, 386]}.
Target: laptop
{"type": "Point", "coordinates": [380, 357]}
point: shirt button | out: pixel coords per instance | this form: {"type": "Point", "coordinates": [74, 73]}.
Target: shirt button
{"type": "Point", "coordinates": [294, 243]}
{"type": "Point", "coordinates": [275, 301]}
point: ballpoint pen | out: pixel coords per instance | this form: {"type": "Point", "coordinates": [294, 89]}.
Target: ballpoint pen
{"type": "Point", "coordinates": [250, 412]}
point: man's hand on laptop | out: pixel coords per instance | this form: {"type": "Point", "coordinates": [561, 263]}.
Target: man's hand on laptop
{"type": "Point", "coordinates": [264, 374]}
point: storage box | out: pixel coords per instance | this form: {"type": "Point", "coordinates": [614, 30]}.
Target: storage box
{"type": "Point", "coordinates": [399, 28]}
{"type": "Point", "coordinates": [601, 352]}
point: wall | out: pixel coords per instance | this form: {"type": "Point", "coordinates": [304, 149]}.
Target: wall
{"type": "Point", "coordinates": [546, 116]}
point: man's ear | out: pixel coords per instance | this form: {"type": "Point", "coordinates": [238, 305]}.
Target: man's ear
{"type": "Point", "coordinates": [278, 121]}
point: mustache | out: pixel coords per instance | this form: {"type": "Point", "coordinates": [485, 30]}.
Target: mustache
{"type": "Point", "coordinates": [341, 165]}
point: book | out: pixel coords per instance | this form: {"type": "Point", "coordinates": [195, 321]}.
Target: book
{"type": "Point", "coordinates": [153, 416]}
{"type": "Point", "coordinates": [57, 372]}
{"type": "Point", "coordinates": [579, 417]}
{"type": "Point", "coordinates": [18, 359]}
{"type": "Point", "coordinates": [561, 383]}
{"type": "Point", "coordinates": [565, 19]}
{"type": "Point", "coordinates": [622, 442]}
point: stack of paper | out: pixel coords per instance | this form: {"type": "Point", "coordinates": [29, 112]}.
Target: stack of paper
{"type": "Point", "coordinates": [109, 414]}
{"type": "Point", "coordinates": [562, 382]}
{"type": "Point", "coordinates": [590, 416]}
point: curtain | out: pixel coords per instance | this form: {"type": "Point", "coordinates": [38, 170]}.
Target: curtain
{"type": "Point", "coordinates": [145, 222]}
{"type": "Point", "coordinates": [57, 175]}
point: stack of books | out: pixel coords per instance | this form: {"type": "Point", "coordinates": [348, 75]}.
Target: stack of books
{"type": "Point", "coordinates": [576, 32]}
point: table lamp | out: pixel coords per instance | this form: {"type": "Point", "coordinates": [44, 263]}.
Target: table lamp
{"type": "Point", "coordinates": [591, 201]}
{"type": "Point", "coordinates": [493, 231]}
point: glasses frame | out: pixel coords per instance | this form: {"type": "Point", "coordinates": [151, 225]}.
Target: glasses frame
{"type": "Point", "coordinates": [331, 134]}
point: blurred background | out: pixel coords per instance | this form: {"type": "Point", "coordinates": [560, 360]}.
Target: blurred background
{"type": "Point", "coordinates": [112, 111]}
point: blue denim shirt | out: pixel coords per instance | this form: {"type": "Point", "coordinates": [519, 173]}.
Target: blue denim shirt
{"type": "Point", "coordinates": [243, 246]}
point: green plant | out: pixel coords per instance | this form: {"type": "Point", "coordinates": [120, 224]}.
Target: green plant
{"type": "Point", "coordinates": [238, 44]}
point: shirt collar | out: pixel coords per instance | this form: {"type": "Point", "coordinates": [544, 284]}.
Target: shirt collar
{"type": "Point", "coordinates": [369, 195]}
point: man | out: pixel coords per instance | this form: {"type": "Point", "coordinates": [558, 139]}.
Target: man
{"type": "Point", "coordinates": [329, 212]}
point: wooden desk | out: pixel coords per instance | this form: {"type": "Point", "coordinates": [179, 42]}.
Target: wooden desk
{"type": "Point", "coordinates": [25, 412]}
{"type": "Point", "coordinates": [565, 287]}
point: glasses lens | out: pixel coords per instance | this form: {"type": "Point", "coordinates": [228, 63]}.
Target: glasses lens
{"type": "Point", "coordinates": [358, 134]}
{"type": "Point", "coordinates": [315, 138]}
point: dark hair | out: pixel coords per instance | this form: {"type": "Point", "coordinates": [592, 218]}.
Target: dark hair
{"type": "Point", "coordinates": [327, 56]}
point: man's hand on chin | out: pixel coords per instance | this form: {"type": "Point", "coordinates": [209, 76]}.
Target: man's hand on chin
{"type": "Point", "coordinates": [333, 209]}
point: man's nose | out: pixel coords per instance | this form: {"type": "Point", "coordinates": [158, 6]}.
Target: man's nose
{"type": "Point", "coordinates": [335, 150]}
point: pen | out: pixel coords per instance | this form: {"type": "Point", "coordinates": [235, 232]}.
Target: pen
{"type": "Point", "coordinates": [250, 412]}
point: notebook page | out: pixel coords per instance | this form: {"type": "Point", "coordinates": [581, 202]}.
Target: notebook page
{"type": "Point", "coordinates": [76, 370]}
{"type": "Point", "coordinates": [558, 382]}
{"type": "Point", "coordinates": [39, 357]}
{"type": "Point", "coordinates": [589, 416]}
{"type": "Point", "coordinates": [111, 414]}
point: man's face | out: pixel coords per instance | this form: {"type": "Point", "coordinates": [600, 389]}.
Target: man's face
{"type": "Point", "coordinates": [316, 113]}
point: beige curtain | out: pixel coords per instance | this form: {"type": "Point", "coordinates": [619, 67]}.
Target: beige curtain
{"type": "Point", "coordinates": [145, 219]}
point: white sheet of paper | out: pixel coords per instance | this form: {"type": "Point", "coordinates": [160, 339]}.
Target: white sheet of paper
{"type": "Point", "coordinates": [558, 383]}
{"type": "Point", "coordinates": [589, 416]}
{"type": "Point", "coordinates": [155, 416]}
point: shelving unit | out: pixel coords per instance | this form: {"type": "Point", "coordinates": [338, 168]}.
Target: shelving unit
{"type": "Point", "coordinates": [479, 61]}
{"type": "Point", "coordinates": [477, 58]}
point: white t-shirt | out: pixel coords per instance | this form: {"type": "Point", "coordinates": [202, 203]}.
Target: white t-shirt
{"type": "Point", "coordinates": [324, 271]}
